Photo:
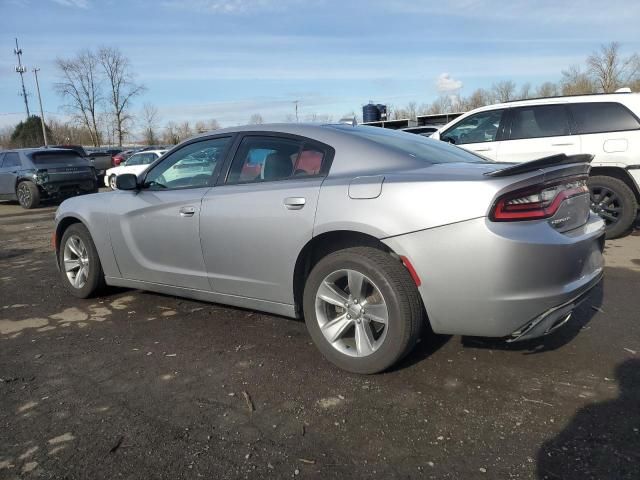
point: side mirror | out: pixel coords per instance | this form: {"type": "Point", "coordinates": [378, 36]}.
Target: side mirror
{"type": "Point", "coordinates": [450, 140]}
{"type": "Point", "coordinates": [127, 181]}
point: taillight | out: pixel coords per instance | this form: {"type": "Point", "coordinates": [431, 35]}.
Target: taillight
{"type": "Point", "coordinates": [540, 201]}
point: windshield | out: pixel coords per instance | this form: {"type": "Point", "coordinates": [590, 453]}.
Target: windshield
{"type": "Point", "coordinates": [417, 146]}
{"type": "Point", "coordinates": [69, 158]}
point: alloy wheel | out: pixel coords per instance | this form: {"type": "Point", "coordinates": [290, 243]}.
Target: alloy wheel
{"type": "Point", "coordinates": [76, 261]}
{"type": "Point", "coordinates": [352, 313]}
{"type": "Point", "coordinates": [606, 203]}
{"type": "Point", "coordinates": [112, 182]}
{"type": "Point", "coordinates": [24, 194]}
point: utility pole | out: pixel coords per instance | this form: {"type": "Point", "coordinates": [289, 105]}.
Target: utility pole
{"type": "Point", "coordinates": [44, 130]}
{"type": "Point", "coordinates": [296, 104]}
{"type": "Point", "coordinates": [21, 70]}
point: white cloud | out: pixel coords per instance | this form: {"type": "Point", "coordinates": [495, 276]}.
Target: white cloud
{"type": "Point", "coordinates": [445, 83]}
{"type": "Point", "coordinates": [73, 3]}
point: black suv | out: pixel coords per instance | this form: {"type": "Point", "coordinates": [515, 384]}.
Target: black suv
{"type": "Point", "coordinates": [31, 174]}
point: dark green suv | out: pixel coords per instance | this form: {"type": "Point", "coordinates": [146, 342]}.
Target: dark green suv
{"type": "Point", "coordinates": [30, 175]}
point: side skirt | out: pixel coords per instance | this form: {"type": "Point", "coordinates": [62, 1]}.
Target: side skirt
{"type": "Point", "coordinates": [243, 302]}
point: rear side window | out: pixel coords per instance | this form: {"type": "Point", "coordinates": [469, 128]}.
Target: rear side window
{"type": "Point", "coordinates": [539, 121]}
{"type": "Point", "coordinates": [42, 159]}
{"type": "Point", "coordinates": [601, 117]}
{"type": "Point", "coordinates": [11, 159]}
{"type": "Point", "coordinates": [266, 159]}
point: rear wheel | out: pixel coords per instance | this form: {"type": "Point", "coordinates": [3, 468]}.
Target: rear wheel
{"type": "Point", "coordinates": [362, 309]}
{"type": "Point", "coordinates": [614, 201]}
{"type": "Point", "coordinates": [28, 194]}
{"type": "Point", "coordinates": [79, 262]}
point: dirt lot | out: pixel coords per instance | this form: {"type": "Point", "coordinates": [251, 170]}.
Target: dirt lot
{"type": "Point", "coordinates": [139, 385]}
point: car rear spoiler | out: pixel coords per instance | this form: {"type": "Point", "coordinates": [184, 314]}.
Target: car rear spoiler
{"type": "Point", "coordinates": [551, 161]}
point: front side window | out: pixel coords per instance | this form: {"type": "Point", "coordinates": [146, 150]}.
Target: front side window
{"type": "Point", "coordinates": [601, 117]}
{"type": "Point", "coordinates": [539, 121]}
{"type": "Point", "coordinates": [479, 128]}
{"type": "Point", "coordinates": [267, 159]}
{"type": "Point", "coordinates": [192, 166]}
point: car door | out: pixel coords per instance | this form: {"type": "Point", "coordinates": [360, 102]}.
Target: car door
{"type": "Point", "coordinates": [9, 166]}
{"type": "Point", "coordinates": [610, 131]}
{"type": "Point", "coordinates": [255, 221]}
{"type": "Point", "coordinates": [537, 131]}
{"type": "Point", "coordinates": [155, 232]}
{"type": "Point", "coordinates": [479, 133]}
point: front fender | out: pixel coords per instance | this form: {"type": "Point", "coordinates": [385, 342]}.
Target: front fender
{"type": "Point", "coordinates": [92, 212]}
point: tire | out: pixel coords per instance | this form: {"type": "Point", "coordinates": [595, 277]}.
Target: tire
{"type": "Point", "coordinates": [614, 201]}
{"type": "Point", "coordinates": [28, 194]}
{"type": "Point", "coordinates": [386, 283]}
{"type": "Point", "coordinates": [93, 279]}
{"type": "Point", "coordinates": [112, 182]}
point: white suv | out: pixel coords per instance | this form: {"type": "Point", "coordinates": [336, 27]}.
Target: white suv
{"type": "Point", "coordinates": [606, 126]}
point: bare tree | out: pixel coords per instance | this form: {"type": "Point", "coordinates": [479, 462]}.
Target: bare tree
{"type": "Point", "coordinates": [504, 91]}
{"type": "Point", "coordinates": [122, 87]}
{"type": "Point", "coordinates": [525, 91]}
{"type": "Point", "coordinates": [170, 135]}
{"type": "Point", "coordinates": [213, 124]}
{"type": "Point", "coordinates": [150, 119]}
{"type": "Point", "coordinates": [547, 89]}
{"type": "Point", "coordinates": [184, 130]}
{"type": "Point", "coordinates": [412, 110]}
{"type": "Point", "coordinates": [256, 119]}
{"type": "Point", "coordinates": [576, 82]}
{"type": "Point", "coordinates": [81, 88]}
{"type": "Point", "coordinates": [479, 98]}
{"type": "Point", "coordinates": [610, 71]}
{"type": "Point", "coordinates": [200, 126]}
{"type": "Point", "coordinates": [442, 104]}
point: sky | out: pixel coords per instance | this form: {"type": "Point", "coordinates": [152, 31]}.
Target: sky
{"type": "Point", "coordinates": [229, 59]}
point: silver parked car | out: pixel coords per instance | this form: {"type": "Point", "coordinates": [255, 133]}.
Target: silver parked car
{"type": "Point", "coordinates": [367, 233]}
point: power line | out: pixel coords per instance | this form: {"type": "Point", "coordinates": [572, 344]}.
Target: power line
{"type": "Point", "coordinates": [21, 69]}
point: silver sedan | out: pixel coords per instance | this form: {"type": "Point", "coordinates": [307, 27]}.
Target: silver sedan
{"type": "Point", "coordinates": [368, 234]}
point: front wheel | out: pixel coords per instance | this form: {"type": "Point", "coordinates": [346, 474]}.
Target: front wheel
{"type": "Point", "coordinates": [614, 201]}
{"type": "Point", "coordinates": [112, 182]}
{"type": "Point", "coordinates": [80, 266]}
{"type": "Point", "coordinates": [362, 309]}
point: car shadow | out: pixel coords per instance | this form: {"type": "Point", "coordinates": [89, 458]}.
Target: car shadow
{"type": "Point", "coordinates": [564, 335]}
{"type": "Point", "coordinates": [429, 344]}
{"type": "Point", "coordinates": [602, 440]}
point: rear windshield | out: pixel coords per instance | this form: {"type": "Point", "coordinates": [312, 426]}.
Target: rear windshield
{"type": "Point", "coordinates": [69, 158]}
{"type": "Point", "coordinates": [417, 146]}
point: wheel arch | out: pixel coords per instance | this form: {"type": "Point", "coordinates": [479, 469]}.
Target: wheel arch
{"type": "Point", "coordinates": [322, 245]}
{"type": "Point", "coordinates": [618, 173]}
{"type": "Point", "coordinates": [61, 227]}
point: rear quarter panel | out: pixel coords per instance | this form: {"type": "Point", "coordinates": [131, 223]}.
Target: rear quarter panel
{"type": "Point", "coordinates": [409, 201]}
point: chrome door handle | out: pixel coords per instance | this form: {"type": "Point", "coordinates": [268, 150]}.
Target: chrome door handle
{"type": "Point", "coordinates": [187, 211]}
{"type": "Point", "coordinates": [484, 149]}
{"type": "Point", "coordinates": [562, 144]}
{"type": "Point", "coordinates": [294, 203]}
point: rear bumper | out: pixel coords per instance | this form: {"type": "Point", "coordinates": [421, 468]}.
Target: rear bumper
{"type": "Point", "coordinates": [507, 279]}
{"type": "Point", "coordinates": [553, 318]}
{"type": "Point", "coordinates": [69, 188]}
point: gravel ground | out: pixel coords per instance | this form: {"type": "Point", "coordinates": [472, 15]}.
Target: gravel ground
{"type": "Point", "coordinates": [140, 385]}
